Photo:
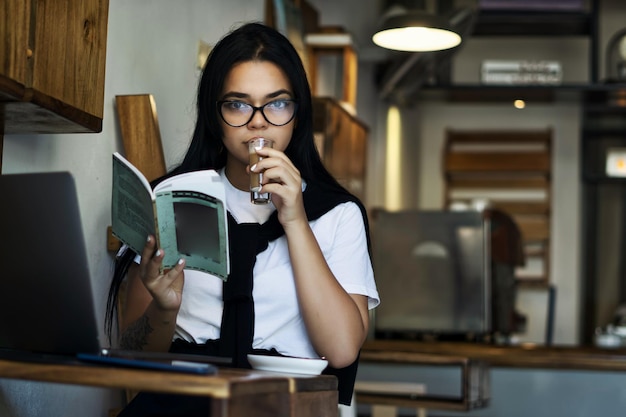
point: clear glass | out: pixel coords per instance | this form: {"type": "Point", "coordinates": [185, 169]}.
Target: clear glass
{"type": "Point", "coordinates": [256, 179]}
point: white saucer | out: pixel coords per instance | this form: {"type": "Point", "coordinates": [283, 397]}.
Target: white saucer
{"type": "Point", "coordinates": [287, 364]}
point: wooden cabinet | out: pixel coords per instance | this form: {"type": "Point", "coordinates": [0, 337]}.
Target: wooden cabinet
{"type": "Point", "coordinates": [341, 139]}
{"type": "Point", "coordinates": [52, 64]}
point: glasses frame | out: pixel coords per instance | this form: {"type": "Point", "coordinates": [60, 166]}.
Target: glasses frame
{"type": "Point", "coordinates": [255, 109]}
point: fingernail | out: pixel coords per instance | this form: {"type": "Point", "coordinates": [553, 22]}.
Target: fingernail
{"type": "Point", "coordinates": [148, 239]}
{"type": "Point", "coordinates": [253, 167]}
{"type": "Point", "coordinates": [181, 261]}
{"type": "Point", "coordinates": [158, 252]}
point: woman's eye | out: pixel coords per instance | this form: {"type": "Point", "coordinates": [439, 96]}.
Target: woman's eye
{"type": "Point", "coordinates": [237, 105]}
{"type": "Point", "coordinates": [278, 104]}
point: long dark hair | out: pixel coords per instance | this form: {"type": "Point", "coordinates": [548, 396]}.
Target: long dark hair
{"type": "Point", "coordinates": [252, 41]}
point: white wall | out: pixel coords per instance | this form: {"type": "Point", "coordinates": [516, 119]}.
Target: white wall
{"type": "Point", "coordinates": [151, 48]}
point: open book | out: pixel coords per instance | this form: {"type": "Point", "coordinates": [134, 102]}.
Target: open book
{"type": "Point", "coordinates": [186, 213]}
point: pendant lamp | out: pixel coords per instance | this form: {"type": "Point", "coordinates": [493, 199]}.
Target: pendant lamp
{"type": "Point", "coordinates": [416, 31]}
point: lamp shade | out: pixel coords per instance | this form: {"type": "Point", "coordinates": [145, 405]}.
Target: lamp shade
{"type": "Point", "coordinates": [416, 32]}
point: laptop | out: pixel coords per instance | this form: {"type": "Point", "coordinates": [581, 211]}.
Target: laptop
{"type": "Point", "coordinates": [46, 301]}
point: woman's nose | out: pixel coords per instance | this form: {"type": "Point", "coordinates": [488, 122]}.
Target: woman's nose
{"type": "Point", "coordinates": [258, 120]}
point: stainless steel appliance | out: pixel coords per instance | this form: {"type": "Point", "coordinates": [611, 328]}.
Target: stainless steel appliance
{"type": "Point", "coordinates": [432, 270]}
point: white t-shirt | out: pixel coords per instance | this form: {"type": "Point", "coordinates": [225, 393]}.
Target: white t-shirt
{"type": "Point", "coordinates": [278, 324]}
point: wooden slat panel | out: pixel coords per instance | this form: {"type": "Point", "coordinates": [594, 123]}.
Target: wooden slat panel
{"type": "Point", "coordinates": [514, 136]}
{"type": "Point", "coordinates": [501, 161]}
{"type": "Point", "coordinates": [141, 133]}
{"type": "Point", "coordinates": [533, 228]}
{"type": "Point", "coordinates": [535, 253]}
{"type": "Point", "coordinates": [464, 181]}
{"type": "Point", "coordinates": [522, 207]}
{"type": "Point", "coordinates": [512, 169]}
{"type": "Point", "coordinates": [516, 208]}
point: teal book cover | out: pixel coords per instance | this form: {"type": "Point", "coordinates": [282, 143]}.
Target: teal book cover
{"type": "Point", "coordinates": [186, 213]}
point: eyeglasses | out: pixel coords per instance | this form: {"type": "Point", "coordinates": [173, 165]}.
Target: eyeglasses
{"type": "Point", "coordinates": [237, 113]}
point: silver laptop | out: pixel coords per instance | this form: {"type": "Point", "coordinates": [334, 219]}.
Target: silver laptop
{"type": "Point", "coordinates": [46, 301]}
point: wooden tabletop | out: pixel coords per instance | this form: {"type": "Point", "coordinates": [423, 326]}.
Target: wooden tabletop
{"type": "Point", "coordinates": [522, 356]}
{"type": "Point", "coordinates": [226, 383]}
{"type": "Point", "coordinates": [270, 393]}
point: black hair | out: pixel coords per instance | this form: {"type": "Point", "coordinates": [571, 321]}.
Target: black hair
{"type": "Point", "coordinates": [250, 42]}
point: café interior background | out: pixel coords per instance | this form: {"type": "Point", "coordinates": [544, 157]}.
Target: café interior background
{"type": "Point", "coordinates": [152, 47]}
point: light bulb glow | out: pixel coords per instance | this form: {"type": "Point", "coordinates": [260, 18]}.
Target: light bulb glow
{"type": "Point", "coordinates": [416, 39]}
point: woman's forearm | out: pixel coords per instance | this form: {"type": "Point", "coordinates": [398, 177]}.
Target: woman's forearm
{"type": "Point", "coordinates": [337, 322]}
{"type": "Point", "coordinates": [153, 331]}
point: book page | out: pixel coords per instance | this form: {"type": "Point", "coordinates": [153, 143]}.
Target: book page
{"type": "Point", "coordinates": [132, 207]}
{"type": "Point", "coordinates": [193, 222]}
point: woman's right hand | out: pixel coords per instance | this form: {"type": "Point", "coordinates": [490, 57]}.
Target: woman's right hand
{"type": "Point", "coordinates": [166, 288]}
{"type": "Point", "coordinates": [148, 318]}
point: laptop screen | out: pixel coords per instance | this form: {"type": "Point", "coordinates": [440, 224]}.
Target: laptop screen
{"type": "Point", "coordinates": [46, 300]}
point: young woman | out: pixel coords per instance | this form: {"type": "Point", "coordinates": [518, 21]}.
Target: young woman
{"type": "Point", "coordinates": [301, 280]}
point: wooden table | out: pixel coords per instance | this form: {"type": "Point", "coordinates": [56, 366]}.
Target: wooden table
{"type": "Point", "coordinates": [522, 356]}
{"type": "Point", "coordinates": [475, 386]}
{"type": "Point", "coordinates": [525, 380]}
{"type": "Point", "coordinates": [236, 392]}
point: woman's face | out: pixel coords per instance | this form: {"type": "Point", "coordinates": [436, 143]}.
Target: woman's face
{"type": "Point", "coordinates": [255, 83]}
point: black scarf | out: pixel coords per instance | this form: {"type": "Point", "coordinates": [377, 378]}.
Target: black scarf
{"type": "Point", "coordinates": [246, 240]}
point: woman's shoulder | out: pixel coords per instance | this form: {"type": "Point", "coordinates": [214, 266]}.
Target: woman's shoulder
{"type": "Point", "coordinates": [344, 215]}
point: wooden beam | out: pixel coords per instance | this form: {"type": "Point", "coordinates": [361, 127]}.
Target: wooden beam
{"type": "Point", "coordinates": [497, 162]}
{"type": "Point", "coordinates": [465, 180]}
{"type": "Point", "coordinates": [500, 136]}
{"type": "Point", "coordinates": [141, 134]}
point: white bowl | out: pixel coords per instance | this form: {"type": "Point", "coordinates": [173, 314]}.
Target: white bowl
{"type": "Point", "coordinates": [287, 364]}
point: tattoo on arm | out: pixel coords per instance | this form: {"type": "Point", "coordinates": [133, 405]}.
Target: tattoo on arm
{"type": "Point", "coordinates": [136, 335]}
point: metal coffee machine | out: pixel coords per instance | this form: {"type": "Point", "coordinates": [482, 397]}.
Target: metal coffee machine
{"type": "Point", "coordinates": [447, 275]}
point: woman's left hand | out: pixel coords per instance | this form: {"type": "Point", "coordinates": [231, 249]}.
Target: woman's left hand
{"type": "Point", "coordinates": [282, 179]}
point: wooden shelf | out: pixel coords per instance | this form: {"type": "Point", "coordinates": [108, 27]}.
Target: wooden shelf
{"type": "Point", "coordinates": [489, 93]}
{"type": "Point", "coordinates": [341, 140]}
{"type": "Point", "coordinates": [598, 97]}
{"type": "Point", "coordinates": [349, 63]}
{"type": "Point", "coordinates": [52, 66]}
{"type": "Point", "coordinates": [533, 23]}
